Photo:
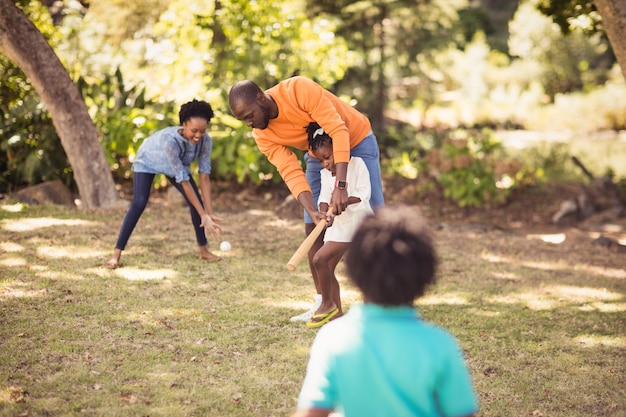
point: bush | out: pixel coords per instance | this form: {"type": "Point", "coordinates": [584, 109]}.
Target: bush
{"type": "Point", "coordinates": [123, 117]}
{"type": "Point", "coordinates": [236, 156]}
{"type": "Point", "coordinates": [473, 171]}
{"type": "Point", "coordinates": [30, 149]}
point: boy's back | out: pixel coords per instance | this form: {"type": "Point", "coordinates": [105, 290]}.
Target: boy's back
{"type": "Point", "coordinates": [381, 358]}
{"type": "Point", "coordinates": [386, 361]}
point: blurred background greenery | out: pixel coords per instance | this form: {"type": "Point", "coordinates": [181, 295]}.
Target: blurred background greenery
{"type": "Point", "coordinates": [481, 96]}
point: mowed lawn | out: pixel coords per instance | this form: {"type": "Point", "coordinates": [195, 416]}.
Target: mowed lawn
{"type": "Point", "coordinates": [542, 325]}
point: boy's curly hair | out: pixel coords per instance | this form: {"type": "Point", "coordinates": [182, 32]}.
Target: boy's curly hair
{"type": "Point", "coordinates": [392, 258]}
{"type": "Point", "coordinates": [317, 136]}
{"type": "Point", "coordinates": [195, 108]}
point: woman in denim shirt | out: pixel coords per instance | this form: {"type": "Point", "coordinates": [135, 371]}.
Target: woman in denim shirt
{"type": "Point", "coordinates": [171, 151]}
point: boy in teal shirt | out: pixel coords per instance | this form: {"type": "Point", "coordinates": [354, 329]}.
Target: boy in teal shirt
{"type": "Point", "coordinates": [381, 358]}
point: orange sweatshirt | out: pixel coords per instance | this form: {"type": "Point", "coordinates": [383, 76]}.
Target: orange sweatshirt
{"type": "Point", "coordinates": [301, 101]}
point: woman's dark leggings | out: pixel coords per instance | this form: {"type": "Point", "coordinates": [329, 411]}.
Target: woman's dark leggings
{"type": "Point", "coordinates": [142, 184]}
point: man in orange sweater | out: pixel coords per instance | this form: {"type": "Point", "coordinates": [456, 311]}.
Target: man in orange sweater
{"type": "Point", "coordinates": [279, 117]}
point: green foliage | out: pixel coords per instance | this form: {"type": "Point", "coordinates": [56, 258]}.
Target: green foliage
{"type": "Point", "coordinates": [601, 108]}
{"type": "Point", "coordinates": [471, 165]}
{"type": "Point", "coordinates": [123, 117]}
{"type": "Point", "coordinates": [473, 20]}
{"type": "Point", "coordinates": [568, 62]}
{"type": "Point", "coordinates": [200, 50]}
{"type": "Point", "coordinates": [471, 170]}
{"type": "Point", "coordinates": [552, 160]}
{"type": "Point", "coordinates": [30, 149]}
{"type": "Point", "coordinates": [209, 45]}
{"type": "Point", "coordinates": [394, 41]}
{"type": "Point", "coordinates": [433, 58]}
{"type": "Point", "coordinates": [235, 155]}
{"type": "Point", "coordinates": [570, 14]}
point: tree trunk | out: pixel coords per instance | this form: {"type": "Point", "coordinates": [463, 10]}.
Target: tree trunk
{"type": "Point", "coordinates": [23, 44]}
{"type": "Point", "coordinates": [613, 14]}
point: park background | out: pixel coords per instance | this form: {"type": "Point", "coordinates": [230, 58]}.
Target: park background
{"type": "Point", "coordinates": [478, 107]}
{"type": "Point", "coordinates": [516, 92]}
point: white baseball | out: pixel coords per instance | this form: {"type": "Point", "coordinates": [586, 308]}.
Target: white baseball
{"type": "Point", "coordinates": [225, 246]}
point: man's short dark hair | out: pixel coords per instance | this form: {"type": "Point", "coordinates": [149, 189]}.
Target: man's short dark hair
{"type": "Point", "coordinates": [392, 258]}
{"type": "Point", "coordinates": [244, 92]}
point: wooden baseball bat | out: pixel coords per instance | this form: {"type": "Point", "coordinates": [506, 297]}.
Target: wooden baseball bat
{"type": "Point", "coordinates": [306, 244]}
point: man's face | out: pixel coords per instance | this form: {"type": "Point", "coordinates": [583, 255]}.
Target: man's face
{"type": "Point", "coordinates": [255, 114]}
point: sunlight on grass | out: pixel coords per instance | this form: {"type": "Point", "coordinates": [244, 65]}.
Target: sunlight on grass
{"type": "Point", "coordinates": [547, 266]}
{"type": "Point", "coordinates": [531, 300]}
{"type": "Point", "coordinates": [282, 223]}
{"type": "Point", "coordinates": [71, 252]}
{"type": "Point", "coordinates": [135, 274]}
{"type": "Point", "coordinates": [549, 297]}
{"type": "Point", "coordinates": [448, 298]}
{"type": "Point", "coordinates": [607, 272]}
{"type": "Point", "coordinates": [59, 275]}
{"type": "Point", "coordinates": [156, 318]}
{"type": "Point", "coordinates": [11, 247]}
{"type": "Point", "coordinates": [582, 294]}
{"type": "Point", "coordinates": [290, 304]}
{"type": "Point", "coordinates": [9, 291]}
{"type": "Point", "coordinates": [556, 238]}
{"type": "Point", "coordinates": [12, 394]}
{"type": "Point", "coordinates": [560, 265]}
{"type": "Point", "coordinates": [507, 276]}
{"type": "Point", "coordinates": [262, 213]}
{"type": "Point", "coordinates": [484, 313]}
{"type": "Point", "coordinates": [594, 340]}
{"type": "Point", "coordinates": [26, 225]}
{"type": "Point", "coordinates": [12, 208]}
{"type": "Point", "coordinates": [13, 261]}
{"type": "Point", "coordinates": [349, 296]}
{"type": "Point", "coordinates": [604, 307]}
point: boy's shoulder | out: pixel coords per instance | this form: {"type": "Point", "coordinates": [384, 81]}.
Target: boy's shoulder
{"type": "Point", "coordinates": [363, 315]}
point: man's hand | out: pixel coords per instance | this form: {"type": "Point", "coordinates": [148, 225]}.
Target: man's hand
{"type": "Point", "coordinates": [339, 200]}
{"type": "Point", "coordinates": [318, 216]}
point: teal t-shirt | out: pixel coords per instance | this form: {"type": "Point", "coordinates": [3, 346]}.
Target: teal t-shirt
{"type": "Point", "coordinates": [387, 361]}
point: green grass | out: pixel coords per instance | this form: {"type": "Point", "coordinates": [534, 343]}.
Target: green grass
{"type": "Point", "coordinates": [543, 326]}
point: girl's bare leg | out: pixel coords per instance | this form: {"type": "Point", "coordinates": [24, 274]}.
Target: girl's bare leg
{"type": "Point", "coordinates": [325, 262]}
{"type": "Point", "coordinates": [316, 246]}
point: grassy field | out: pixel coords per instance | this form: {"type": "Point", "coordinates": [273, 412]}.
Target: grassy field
{"type": "Point", "coordinates": [543, 326]}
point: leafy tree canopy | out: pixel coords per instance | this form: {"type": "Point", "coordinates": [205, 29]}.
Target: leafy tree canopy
{"type": "Point", "coordinates": [570, 14]}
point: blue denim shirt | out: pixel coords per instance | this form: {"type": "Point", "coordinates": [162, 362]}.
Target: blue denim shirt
{"type": "Point", "coordinates": [167, 152]}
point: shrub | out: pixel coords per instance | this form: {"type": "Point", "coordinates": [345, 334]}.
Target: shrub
{"type": "Point", "coordinates": [473, 171]}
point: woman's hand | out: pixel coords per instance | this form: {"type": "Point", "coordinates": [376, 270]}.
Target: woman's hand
{"type": "Point", "coordinates": [215, 218]}
{"type": "Point", "coordinates": [211, 228]}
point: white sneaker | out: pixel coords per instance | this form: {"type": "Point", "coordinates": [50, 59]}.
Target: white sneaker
{"type": "Point", "coordinates": [307, 315]}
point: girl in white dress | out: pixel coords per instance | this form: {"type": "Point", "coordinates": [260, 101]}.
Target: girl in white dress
{"type": "Point", "coordinates": [338, 234]}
